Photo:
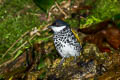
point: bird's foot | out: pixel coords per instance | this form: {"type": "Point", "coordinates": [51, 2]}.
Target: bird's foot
{"type": "Point", "coordinates": [61, 62]}
{"type": "Point", "coordinates": [75, 59]}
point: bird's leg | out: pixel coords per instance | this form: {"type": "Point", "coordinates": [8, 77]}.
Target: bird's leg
{"type": "Point", "coordinates": [61, 62]}
{"type": "Point", "coordinates": [75, 58]}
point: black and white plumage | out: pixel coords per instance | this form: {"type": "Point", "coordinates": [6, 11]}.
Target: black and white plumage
{"type": "Point", "coordinates": [64, 40]}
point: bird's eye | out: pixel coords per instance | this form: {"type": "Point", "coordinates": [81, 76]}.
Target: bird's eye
{"type": "Point", "coordinates": [57, 24]}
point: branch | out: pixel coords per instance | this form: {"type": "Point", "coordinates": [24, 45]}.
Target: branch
{"type": "Point", "coordinates": [61, 9]}
{"type": "Point", "coordinates": [15, 43]}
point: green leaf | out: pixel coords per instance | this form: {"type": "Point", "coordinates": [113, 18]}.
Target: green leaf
{"type": "Point", "coordinates": [42, 64]}
{"type": "Point", "coordinates": [44, 4]}
{"type": "Point", "coordinates": [18, 53]}
{"type": "Point", "coordinates": [116, 17]}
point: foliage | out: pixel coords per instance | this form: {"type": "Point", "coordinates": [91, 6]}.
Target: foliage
{"type": "Point", "coordinates": [44, 5]}
{"type": "Point", "coordinates": [19, 16]}
{"type": "Point", "coordinates": [102, 9]}
{"type": "Point", "coordinates": [106, 8]}
{"type": "Point", "coordinates": [13, 23]}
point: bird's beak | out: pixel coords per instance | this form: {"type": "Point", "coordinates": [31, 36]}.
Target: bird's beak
{"type": "Point", "coordinates": [50, 26]}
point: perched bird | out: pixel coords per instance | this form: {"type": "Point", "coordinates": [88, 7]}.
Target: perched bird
{"type": "Point", "coordinates": [64, 40]}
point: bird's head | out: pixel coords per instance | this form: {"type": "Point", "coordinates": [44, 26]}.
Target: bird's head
{"type": "Point", "coordinates": [58, 25]}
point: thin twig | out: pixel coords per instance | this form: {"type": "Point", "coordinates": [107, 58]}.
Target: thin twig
{"type": "Point", "coordinates": [7, 62]}
{"type": "Point", "coordinates": [60, 9]}
{"type": "Point", "coordinates": [12, 59]}
{"type": "Point", "coordinates": [22, 45]}
{"type": "Point", "coordinates": [15, 43]}
{"type": "Point", "coordinates": [34, 14]}
{"type": "Point", "coordinates": [45, 28]}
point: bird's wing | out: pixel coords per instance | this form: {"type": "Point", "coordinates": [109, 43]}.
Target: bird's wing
{"type": "Point", "coordinates": [76, 35]}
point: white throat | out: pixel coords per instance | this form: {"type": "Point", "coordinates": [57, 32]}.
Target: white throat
{"type": "Point", "coordinates": [58, 29]}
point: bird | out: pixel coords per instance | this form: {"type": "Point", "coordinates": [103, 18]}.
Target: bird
{"type": "Point", "coordinates": [65, 41]}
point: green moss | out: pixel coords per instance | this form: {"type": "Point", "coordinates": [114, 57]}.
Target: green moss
{"type": "Point", "coordinates": [13, 25]}
{"type": "Point", "coordinates": [102, 9]}
{"type": "Point", "coordinates": [106, 8]}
